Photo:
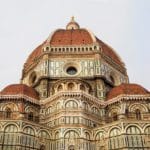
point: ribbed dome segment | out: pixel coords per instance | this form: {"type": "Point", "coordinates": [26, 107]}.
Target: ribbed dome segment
{"type": "Point", "coordinates": [34, 55]}
{"type": "Point", "coordinates": [129, 89]}
{"type": "Point", "coordinates": [71, 37]}
{"type": "Point", "coordinates": [17, 89]}
{"type": "Point", "coordinates": [108, 51]}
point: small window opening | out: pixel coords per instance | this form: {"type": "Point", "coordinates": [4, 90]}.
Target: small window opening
{"type": "Point", "coordinates": [8, 113]}
{"type": "Point", "coordinates": [138, 114]}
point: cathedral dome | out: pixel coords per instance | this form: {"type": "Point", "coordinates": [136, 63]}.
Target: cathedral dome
{"type": "Point", "coordinates": [17, 89]}
{"type": "Point", "coordinates": [127, 89]}
{"type": "Point", "coordinates": [73, 35]}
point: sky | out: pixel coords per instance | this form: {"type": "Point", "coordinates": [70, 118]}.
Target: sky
{"type": "Point", "coordinates": [122, 24]}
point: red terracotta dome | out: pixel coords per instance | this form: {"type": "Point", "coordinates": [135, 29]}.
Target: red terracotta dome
{"type": "Point", "coordinates": [16, 89]}
{"type": "Point", "coordinates": [73, 36]}
{"type": "Point", "coordinates": [129, 89]}
{"type": "Point", "coordinates": [108, 51]}
{"type": "Point", "coordinates": [34, 55]}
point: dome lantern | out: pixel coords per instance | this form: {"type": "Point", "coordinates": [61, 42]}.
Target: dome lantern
{"type": "Point", "coordinates": [72, 24]}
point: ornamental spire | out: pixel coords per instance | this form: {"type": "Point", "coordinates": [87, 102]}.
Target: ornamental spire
{"type": "Point", "coordinates": [72, 19]}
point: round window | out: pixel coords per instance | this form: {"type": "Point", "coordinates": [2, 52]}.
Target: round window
{"type": "Point", "coordinates": [71, 70]}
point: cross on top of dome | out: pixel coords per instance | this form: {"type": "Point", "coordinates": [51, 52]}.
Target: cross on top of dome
{"type": "Point", "coordinates": [72, 19]}
{"type": "Point", "coordinates": [72, 24]}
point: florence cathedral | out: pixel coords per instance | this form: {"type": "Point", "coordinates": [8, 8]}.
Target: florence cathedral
{"type": "Point", "coordinates": [74, 94]}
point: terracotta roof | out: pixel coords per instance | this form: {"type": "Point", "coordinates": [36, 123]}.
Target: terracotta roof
{"type": "Point", "coordinates": [62, 37]}
{"type": "Point", "coordinates": [108, 51]}
{"type": "Point", "coordinates": [16, 89]}
{"type": "Point", "coordinates": [37, 52]}
{"type": "Point", "coordinates": [71, 37]}
{"type": "Point", "coordinates": [129, 89]}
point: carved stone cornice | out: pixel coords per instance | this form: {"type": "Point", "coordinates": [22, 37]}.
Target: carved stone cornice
{"type": "Point", "coordinates": [126, 97]}
{"type": "Point", "coordinates": [18, 97]}
{"type": "Point", "coordinates": [73, 94]}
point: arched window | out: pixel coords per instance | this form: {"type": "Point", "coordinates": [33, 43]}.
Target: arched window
{"type": "Point", "coordinates": [70, 86]}
{"type": "Point", "coordinates": [57, 135]}
{"type": "Point", "coordinates": [134, 138]}
{"type": "Point", "coordinates": [28, 140]}
{"type": "Point", "coordinates": [115, 116]}
{"type": "Point", "coordinates": [114, 141]}
{"type": "Point", "coordinates": [8, 113]}
{"type": "Point", "coordinates": [87, 141]}
{"type": "Point", "coordinates": [60, 87]}
{"type": "Point", "coordinates": [112, 79]}
{"type": "Point", "coordinates": [87, 135]}
{"type": "Point", "coordinates": [46, 138]}
{"type": "Point", "coordinates": [57, 144]}
{"type": "Point", "coordinates": [30, 116]}
{"type": "Point", "coordinates": [44, 134]}
{"type": "Point", "coordinates": [42, 147]}
{"type": "Point", "coordinates": [85, 106]}
{"type": "Point", "coordinates": [82, 87]}
{"type": "Point", "coordinates": [95, 110]}
{"type": "Point", "coordinates": [29, 130]}
{"type": "Point", "coordinates": [100, 143]}
{"type": "Point", "coordinates": [71, 135]}
{"type": "Point", "coordinates": [147, 130]}
{"type": "Point", "coordinates": [126, 112]}
{"type": "Point", "coordinates": [138, 114]}
{"type": "Point", "coordinates": [147, 135]}
{"type": "Point", "coordinates": [99, 136]}
{"type": "Point", "coordinates": [114, 132]}
{"type": "Point", "coordinates": [10, 138]}
{"type": "Point", "coordinates": [49, 110]}
{"type": "Point", "coordinates": [58, 106]}
{"type": "Point", "coordinates": [71, 147]}
{"type": "Point", "coordinates": [95, 47]}
{"type": "Point", "coordinates": [71, 104]}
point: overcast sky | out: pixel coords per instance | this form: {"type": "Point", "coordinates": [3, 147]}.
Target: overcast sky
{"type": "Point", "coordinates": [122, 24]}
